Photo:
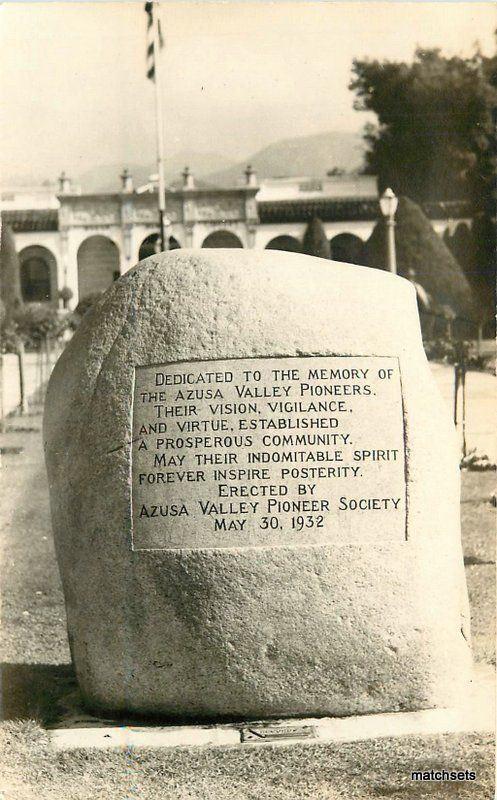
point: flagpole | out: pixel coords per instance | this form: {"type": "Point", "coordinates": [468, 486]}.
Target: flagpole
{"type": "Point", "coordinates": [160, 129]}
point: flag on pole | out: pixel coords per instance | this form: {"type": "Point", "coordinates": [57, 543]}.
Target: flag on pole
{"type": "Point", "coordinates": [152, 21]}
{"type": "Point", "coordinates": [155, 43]}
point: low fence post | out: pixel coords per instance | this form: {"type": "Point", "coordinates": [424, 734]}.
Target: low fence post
{"type": "Point", "coordinates": [463, 386]}
{"type": "Point", "coordinates": [456, 390]}
{"type": "Point", "coordinates": [2, 407]}
{"type": "Point", "coordinates": [460, 367]}
{"type": "Point", "coordinates": [24, 407]}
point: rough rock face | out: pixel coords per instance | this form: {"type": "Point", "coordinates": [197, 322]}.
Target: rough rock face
{"type": "Point", "coordinates": [362, 612]}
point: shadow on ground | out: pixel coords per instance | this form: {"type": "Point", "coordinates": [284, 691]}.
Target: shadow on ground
{"type": "Point", "coordinates": [34, 690]}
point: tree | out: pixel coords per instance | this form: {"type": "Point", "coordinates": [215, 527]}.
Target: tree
{"type": "Point", "coordinates": [436, 140]}
{"type": "Point", "coordinates": [10, 281]}
{"type": "Point", "coordinates": [423, 258]}
{"type": "Point", "coordinates": [472, 247]}
{"type": "Point", "coordinates": [38, 322]}
{"type": "Point", "coordinates": [315, 242]}
{"type": "Point", "coordinates": [434, 137]}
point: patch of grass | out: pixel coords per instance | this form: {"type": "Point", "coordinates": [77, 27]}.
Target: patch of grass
{"type": "Point", "coordinates": [315, 772]}
{"type": "Point", "coordinates": [33, 615]}
{"type": "Point", "coordinates": [478, 536]}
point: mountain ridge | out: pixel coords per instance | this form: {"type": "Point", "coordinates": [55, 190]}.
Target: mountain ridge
{"type": "Point", "coordinates": [310, 156]}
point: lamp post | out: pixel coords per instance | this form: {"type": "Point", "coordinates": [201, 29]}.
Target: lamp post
{"type": "Point", "coordinates": [388, 206]}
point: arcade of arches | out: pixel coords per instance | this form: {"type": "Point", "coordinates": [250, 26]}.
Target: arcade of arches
{"type": "Point", "coordinates": [222, 239]}
{"type": "Point", "coordinates": [347, 247]}
{"type": "Point", "coordinates": [98, 265]}
{"type": "Point", "coordinates": [151, 245]}
{"type": "Point", "coordinates": [344, 247]}
{"type": "Point", "coordinates": [98, 260]}
{"type": "Point", "coordinates": [287, 243]}
{"type": "Point", "coordinates": [38, 272]}
{"type": "Point", "coordinates": [87, 241]}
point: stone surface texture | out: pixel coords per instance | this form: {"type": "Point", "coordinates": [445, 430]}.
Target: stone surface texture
{"type": "Point", "coordinates": [265, 631]}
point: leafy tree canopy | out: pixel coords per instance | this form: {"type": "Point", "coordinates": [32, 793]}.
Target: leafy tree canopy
{"type": "Point", "coordinates": [36, 321]}
{"type": "Point", "coordinates": [434, 139]}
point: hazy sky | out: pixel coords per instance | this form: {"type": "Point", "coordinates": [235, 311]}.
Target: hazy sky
{"type": "Point", "coordinates": [238, 75]}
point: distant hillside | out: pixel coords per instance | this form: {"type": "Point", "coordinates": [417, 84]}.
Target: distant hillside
{"type": "Point", "coordinates": [106, 178]}
{"type": "Point", "coordinates": [311, 156]}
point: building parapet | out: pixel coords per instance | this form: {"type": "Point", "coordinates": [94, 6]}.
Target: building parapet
{"type": "Point", "coordinates": [212, 205]}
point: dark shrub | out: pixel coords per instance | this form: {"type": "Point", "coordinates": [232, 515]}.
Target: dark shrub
{"type": "Point", "coordinates": [315, 242]}
{"type": "Point", "coordinates": [36, 322]}
{"type": "Point", "coordinates": [423, 258]}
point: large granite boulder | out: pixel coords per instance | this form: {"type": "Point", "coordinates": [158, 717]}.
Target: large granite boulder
{"type": "Point", "coordinates": [254, 491]}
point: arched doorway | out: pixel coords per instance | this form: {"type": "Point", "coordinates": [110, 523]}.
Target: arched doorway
{"type": "Point", "coordinates": [150, 246]}
{"type": "Point", "coordinates": [222, 239]}
{"type": "Point", "coordinates": [287, 243]}
{"type": "Point", "coordinates": [38, 269]}
{"type": "Point", "coordinates": [348, 248]}
{"type": "Point", "coordinates": [98, 265]}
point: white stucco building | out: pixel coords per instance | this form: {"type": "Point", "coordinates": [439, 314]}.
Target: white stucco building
{"type": "Point", "coordinates": [66, 238]}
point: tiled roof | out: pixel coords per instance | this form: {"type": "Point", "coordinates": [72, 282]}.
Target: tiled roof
{"type": "Point", "coordinates": [327, 209]}
{"type": "Point", "coordinates": [346, 209]}
{"type": "Point", "coordinates": [36, 219]}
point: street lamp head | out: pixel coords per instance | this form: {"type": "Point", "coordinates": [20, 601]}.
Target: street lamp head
{"type": "Point", "coordinates": [388, 203]}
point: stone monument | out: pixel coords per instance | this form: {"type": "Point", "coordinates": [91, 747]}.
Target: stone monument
{"type": "Point", "coordinates": [255, 494]}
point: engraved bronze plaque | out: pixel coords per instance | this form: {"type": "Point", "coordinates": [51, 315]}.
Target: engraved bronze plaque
{"type": "Point", "coordinates": [268, 451]}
